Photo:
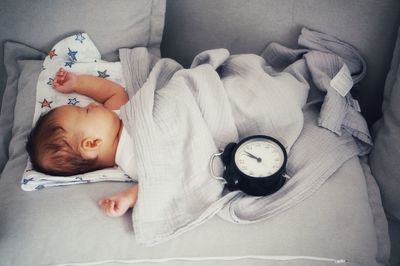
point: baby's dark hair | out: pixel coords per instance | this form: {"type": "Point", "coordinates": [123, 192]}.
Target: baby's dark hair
{"type": "Point", "coordinates": [49, 138]}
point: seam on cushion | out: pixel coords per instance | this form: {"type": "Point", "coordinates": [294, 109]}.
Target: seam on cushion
{"type": "Point", "coordinates": [156, 24]}
{"type": "Point", "coordinates": [378, 214]}
{"type": "Point", "coordinates": [332, 261]}
{"type": "Point", "coordinates": [150, 33]}
{"type": "Point", "coordinates": [35, 54]}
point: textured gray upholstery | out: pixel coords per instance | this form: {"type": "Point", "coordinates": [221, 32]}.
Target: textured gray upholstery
{"type": "Point", "coordinates": [247, 26]}
{"type": "Point", "coordinates": [111, 24]}
{"type": "Point", "coordinates": [191, 27]}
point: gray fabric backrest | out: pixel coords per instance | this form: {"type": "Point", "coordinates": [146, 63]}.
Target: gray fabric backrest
{"type": "Point", "coordinates": [110, 24]}
{"type": "Point", "coordinates": [241, 26]}
{"type": "Point", "coordinates": [247, 26]}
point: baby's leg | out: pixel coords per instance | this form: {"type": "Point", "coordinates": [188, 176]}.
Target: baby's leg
{"type": "Point", "coordinates": [117, 205]}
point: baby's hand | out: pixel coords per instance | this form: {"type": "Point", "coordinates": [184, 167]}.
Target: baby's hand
{"type": "Point", "coordinates": [65, 81]}
{"type": "Point", "coordinates": [114, 206]}
{"type": "Point", "coordinates": [118, 205]}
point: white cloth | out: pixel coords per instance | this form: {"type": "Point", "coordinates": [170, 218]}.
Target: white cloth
{"type": "Point", "coordinates": [78, 54]}
{"type": "Point", "coordinates": [125, 157]}
{"type": "Point", "coordinates": [179, 117]}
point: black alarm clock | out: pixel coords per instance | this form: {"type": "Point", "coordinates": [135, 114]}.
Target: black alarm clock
{"type": "Point", "coordinates": [256, 165]}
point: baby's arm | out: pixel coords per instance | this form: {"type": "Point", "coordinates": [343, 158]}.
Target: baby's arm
{"type": "Point", "coordinates": [117, 205]}
{"type": "Point", "coordinates": [105, 91]}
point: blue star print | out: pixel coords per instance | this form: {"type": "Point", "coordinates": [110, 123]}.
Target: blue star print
{"type": "Point", "coordinates": [26, 181]}
{"type": "Point", "coordinates": [73, 101]}
{"type": "Point", "coordinates": [127, 176]}
{"type": "Point", "coordinates": [103, 74]}
{"type": "Point", "coordinates": [69, 64]}
{"type": "Point", "coordinates": [50, 82]}
{"type": "Point", "coordinates": [72, 55]}
{"type": "Point", "coordinates": [80, 37]}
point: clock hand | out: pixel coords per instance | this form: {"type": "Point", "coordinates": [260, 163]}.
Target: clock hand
{"type": "Point", "coordinates": [252, 156]}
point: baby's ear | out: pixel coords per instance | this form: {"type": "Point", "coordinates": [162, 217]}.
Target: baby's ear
{"type": "Point", "coordinates": [89, 148]}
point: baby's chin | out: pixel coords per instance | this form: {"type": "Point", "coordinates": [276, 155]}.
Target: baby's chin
{"type": "Point", "coordinates": [116, 118]}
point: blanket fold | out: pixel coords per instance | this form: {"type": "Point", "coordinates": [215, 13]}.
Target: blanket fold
{"type": "Point", "coordinates": [330, 67]}
{"type": "Point", "coordinates": [179, 117]}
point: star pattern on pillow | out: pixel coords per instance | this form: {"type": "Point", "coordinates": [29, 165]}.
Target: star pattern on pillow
{"type": "Point", "coordinates": [75, 53]}
{"type": "Point", "coordinates": [72, 58]}
{"type": "Point", "coordinates": [73, 101]}
{"type": "Point", "coordinates": [52, 53]}
{"type": "Point", "coordinates": [39, 187]}
{"type": "Point", "coordinates": [102, 74]}
{"type": "Point", "coordinates": [45, 103]}
{"type": "Point", "coordinates": [50, 82]}
{"type": "Point", "coordinates": [72, 55]}
{"type": "Point", "coordinates": [69, 64]}
{"type": "Point", "coordinates": [80, 37]}
{"type": "Point", "coordinates": [27, 180]}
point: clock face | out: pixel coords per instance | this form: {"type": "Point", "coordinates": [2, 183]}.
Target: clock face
{"type": "Point", "coordinates": [259, 157]}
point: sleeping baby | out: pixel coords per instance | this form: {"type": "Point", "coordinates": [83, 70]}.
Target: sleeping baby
{"type": "Point", "coordinates": [71, 140]}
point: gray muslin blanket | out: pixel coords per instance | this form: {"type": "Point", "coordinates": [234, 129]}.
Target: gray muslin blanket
{"type": "Point", "coordinates": [179, 117]}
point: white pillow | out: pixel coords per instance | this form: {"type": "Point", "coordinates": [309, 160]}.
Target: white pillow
{"type": "Point", "coordinates": [78, 54]}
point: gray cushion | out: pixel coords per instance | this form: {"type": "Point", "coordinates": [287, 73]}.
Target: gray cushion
{"type": "Point", "coordinates": [192, 26]}
{"type": "Point", "coordinates": [64, 224]}
{"type": "Point", "coordinates": [12, 53]}
{"type": "Point", "coordinates": [385, 156]}
{"type": "Point", "coordinates": [111, 24]}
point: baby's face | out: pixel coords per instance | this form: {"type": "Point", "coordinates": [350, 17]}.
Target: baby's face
{"type": "Point", "coordinates": [90, 121]}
